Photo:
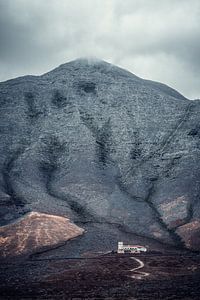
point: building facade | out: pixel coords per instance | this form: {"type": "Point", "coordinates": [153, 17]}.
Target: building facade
{"type": "Point", "coordinates": [130, 248]}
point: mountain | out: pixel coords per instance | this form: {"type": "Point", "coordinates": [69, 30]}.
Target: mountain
{"type": "Point", "coordinates": [115, 153]}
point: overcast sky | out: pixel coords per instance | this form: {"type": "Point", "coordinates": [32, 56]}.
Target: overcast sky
{"type": "Point", "coordinates": [154, 39]}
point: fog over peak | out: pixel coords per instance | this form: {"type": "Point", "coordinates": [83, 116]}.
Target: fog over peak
{"type": "Point", "coordinates": [157, 40]}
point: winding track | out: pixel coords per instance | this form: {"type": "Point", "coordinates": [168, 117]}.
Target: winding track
{"type": "Point", "coordinates": [138, 274]}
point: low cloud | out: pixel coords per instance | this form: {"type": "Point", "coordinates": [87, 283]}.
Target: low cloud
{"type": "Point", "coordinates": [158, 40]}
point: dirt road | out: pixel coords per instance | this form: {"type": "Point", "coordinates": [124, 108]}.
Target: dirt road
{"type": "Point", "coordinates": [138, 274]}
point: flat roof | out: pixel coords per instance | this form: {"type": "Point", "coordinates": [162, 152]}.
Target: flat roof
{"type": "Point", "coordinates": [136, 246]}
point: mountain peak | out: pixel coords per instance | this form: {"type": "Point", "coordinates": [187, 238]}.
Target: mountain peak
{"type": "Point", "coordinates": [85, 62]}
{"type": "Point", "coordinates": [93, 68]}
{"type": "Point", "coordinates": [90, 67]}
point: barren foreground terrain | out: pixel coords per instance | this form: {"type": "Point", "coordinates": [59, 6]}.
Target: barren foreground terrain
{"type": "Point", "coordinates": [171, 276]}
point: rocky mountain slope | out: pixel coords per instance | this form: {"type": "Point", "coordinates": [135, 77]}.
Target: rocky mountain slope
{"type": "Point", "coordinates": [33, 232]}
{"type": "Point", "coordinates": [99, 145]}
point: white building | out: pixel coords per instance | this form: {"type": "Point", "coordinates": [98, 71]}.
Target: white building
{"type": "Point", "coordinates": [130, 248]}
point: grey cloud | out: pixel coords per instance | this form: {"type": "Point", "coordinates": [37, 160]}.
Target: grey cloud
{"type": "Point", "coordinates": [158, 40]}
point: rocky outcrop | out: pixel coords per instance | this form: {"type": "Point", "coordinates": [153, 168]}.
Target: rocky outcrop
{"type": "Point", "coordinates": [190, 233]}
{"type": "Point", "coordinates": [174, 213]}
{"type": "Point", "coordinates": [35, 231]}
{"type": "Point", "coordinates": [96, 143]}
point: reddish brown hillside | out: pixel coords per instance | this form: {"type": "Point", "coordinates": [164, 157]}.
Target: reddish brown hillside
{"type": "Point", "coordinates": [190, 233]}
{"type": "Point", "coordinates": [35, 231]}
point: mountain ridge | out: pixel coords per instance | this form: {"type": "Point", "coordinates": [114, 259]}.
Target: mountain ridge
{"type": "Point", "coordinates": [102, 146]}
{"type": "Point", "coordinates": [99, 62]}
